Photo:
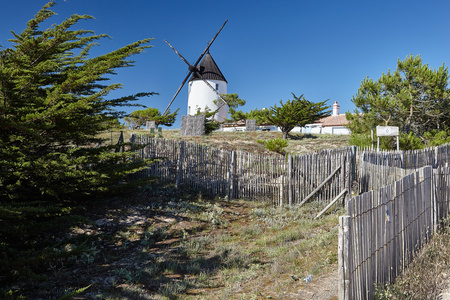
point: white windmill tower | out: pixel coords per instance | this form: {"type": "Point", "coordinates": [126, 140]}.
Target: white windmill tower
{"type": "Point", "coordinates": [201, 95]}
{"type": "Point", "coordinates": [206, 84]}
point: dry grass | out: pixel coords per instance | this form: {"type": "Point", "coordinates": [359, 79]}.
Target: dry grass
{"type": "Point", "coordinates": [165, 243]}
{"type": "Point", "coordinates": [248, 141]}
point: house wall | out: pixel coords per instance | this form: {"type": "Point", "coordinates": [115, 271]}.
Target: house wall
{"type": "Point", "coordinates": [336, 130]}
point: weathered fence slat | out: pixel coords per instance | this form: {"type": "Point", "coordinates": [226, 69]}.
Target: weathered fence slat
{"type": "Point", "coordinates": [319, 187]}
{"type": "Point", "coordinates": [387, 226]}
{"type": "Point", "coordinates": [330, 204]}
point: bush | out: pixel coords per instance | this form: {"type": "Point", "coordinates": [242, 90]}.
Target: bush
{"type": "Point", "coordinates": [410, 142]}
{"type": "Point", "coordinates": [276, 145]}
{"type": "Point", "coordinates": [406, 141]}
{"type": "Point", "coordinates": [361, 140]}
{"type": "Point", "coordinates": [436, 138]}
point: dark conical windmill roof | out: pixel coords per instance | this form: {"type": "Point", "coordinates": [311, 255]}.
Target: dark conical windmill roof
{"type": "Point", "coordinates": [208, 69]}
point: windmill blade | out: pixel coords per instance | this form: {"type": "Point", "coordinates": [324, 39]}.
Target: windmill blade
{"type": "Point", "coordinates": [191, 69]}
{"type": "Point", "coordinates": [178, 91]}
{"type": "Point", "coordinates": [182, 57]}
{"type": "Point", "coordinates": [209, 44]}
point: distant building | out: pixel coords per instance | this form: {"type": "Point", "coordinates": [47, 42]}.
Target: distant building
{"type": "Point", "coordinates": [334, 124]}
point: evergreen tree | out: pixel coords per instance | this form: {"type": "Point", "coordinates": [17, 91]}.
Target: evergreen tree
{"type": "Point", "coordinates": [139, 118]}
{"type": "Point", "coordinates": [414, 97]}
{"type": "Point", "coordinates": [296, 112]}
{"type": "Point", "coordinates": [52, 106]}
{"type": "Point", "coordinates": [258, 114]}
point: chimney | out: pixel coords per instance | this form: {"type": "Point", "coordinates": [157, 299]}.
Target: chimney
{"type": "Point", "coordinates": [335, 109]}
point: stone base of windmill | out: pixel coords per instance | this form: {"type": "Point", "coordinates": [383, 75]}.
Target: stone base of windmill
{"type": "Point", "coordinates": [149, 125]}
{"type": "Point", "coordinates": [192, 125]}
{"type": "Point", "coordinates": [250, 125]}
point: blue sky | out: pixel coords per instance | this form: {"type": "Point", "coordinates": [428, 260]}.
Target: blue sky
{"type": "Point", "coordinates": [268, 49]}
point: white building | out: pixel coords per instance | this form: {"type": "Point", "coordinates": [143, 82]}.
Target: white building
{"type": "Point", "coordinates": [334, 124]}
{"type": "Point", "coordinates": [201, 96]}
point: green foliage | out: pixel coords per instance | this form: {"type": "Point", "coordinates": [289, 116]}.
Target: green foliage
{"type": "Point", "coordinates": [260, 115]}
{"type": "Point", "coordinates": [388, 291]}
{"type": "Point", "coordinates": [296, 112]}
{"type": "Point", "coordinates": [276, 145]}
{"type": "Point", "coordinates": [115, 123]}
{"type": "Point", "coordinates": [210, 124]}
{"type": "Point", "coordinates": [406, 141]}
{"type": "Point", "coordinates": [233, 101]}
{"type": "Point", "coordinates": [74, 293]}
{"type": "Point", "coordinates": [435, 138]}
{"type": "Point", "coordinates": [361, 140]}
{"type": "Point", "coordinates": [414, 97]}
{"type": "Point", "coordinates": [139, 118]}
{"type": "Point", "coordinates": [410, 141]}
{"type": "Point", "coordinates": [52, 106]}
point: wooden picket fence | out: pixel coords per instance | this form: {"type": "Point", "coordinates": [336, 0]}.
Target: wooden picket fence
{"type": "Point", "coordinates": [289, 179]}
{"type": "Point", "coordinates": [383, 230]}
{"type": "Point", "coordinates": [380, 168]}
{"type": "Point", "coordinates": [409, 193]}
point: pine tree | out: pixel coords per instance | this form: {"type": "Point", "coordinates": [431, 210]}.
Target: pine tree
{"type": "Point", "coordinates": [414, 97]}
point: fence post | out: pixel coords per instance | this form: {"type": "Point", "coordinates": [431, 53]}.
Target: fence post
{"type": "Point", "coordinates": [180, 165]}
{"type": "Point", "coordinates": [289, 181]}
{"type": "Point", "coordinates": [352, 165]}
{"type": "Point", "coordinates": [281, 190]}
{"type": "Point", "coordinates": [230, 175]}
{"type": "Point", "coordinates": [436, 196]}
{"type": "Point", "coordinates": [344, 257]}
{"type": "Point", "coordinates": [345, 178]}
{"type": "Point", "coordinates": [120, 143]}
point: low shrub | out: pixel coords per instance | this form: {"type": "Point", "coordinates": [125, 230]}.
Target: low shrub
{"type": "Point", "coordinates": [276, 145]}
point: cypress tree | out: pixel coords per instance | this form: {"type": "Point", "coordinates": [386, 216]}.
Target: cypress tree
{"type": "Point", "coordinates": [296, 112]}
{"type": "Point", "coordinates": [53, 105]}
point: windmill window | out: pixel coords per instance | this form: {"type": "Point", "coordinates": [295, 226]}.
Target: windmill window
{"type": "Point", "coordinates": [217, 86]}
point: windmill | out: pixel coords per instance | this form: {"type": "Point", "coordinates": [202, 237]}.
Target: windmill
{"type": "Point", "coordinates": [198, 72]}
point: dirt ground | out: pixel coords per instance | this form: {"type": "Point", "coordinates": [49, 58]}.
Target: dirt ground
{"type": "Point", "coordinates": [126, 242]}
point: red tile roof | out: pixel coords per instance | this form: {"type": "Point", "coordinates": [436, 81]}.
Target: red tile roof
{"type": "Point", "coordinates": [339, 120]}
